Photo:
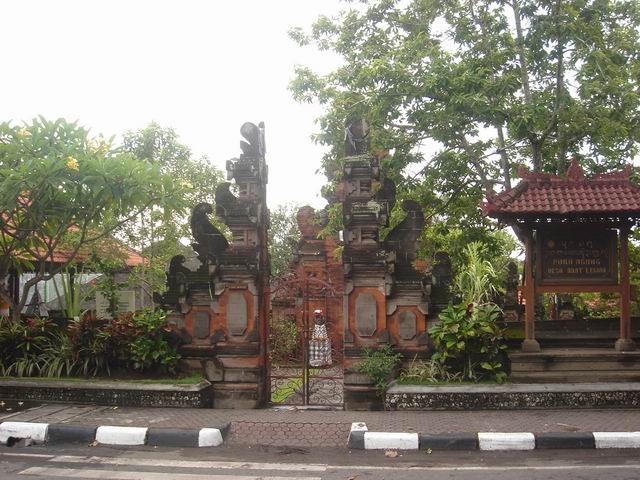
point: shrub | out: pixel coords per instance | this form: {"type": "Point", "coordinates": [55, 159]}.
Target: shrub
{"type": "Point", "coordinates": [148, 345]}
{"type": "Point", "coordinates": [468, 340]}
{"type": "Point", "coordinates": [476, 281]}
{"type": "Point", "coordinates": [379, 365]}
{"type": "Point", "coordinates": [88, 347]}
{"type": "Point", "coordinates": [284, 339]}
{"type": "Point", "coordinates": [34, 346]}
{"type": "Point", "coordinates": [93, 346]}
{"type": "Point", "coordinates": [428, 371]}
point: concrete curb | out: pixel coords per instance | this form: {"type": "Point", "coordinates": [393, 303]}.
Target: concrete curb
{"type": "Point", "coordinates": [360, 438]}
{"type": "Point", "coordinates": [56, 434]}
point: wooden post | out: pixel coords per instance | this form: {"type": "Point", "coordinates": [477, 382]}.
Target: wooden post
{"type": "Point", "coordinates": [530, 344]}
{"type": "Point", "coordinates": [625, 343]}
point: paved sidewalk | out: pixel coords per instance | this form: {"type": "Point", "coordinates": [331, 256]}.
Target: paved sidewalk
{"type": "Point", "coordinates": [309, 428]}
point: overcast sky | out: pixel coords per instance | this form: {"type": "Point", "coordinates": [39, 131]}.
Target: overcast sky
{"type": "Point", "coordinates": [201, 67]}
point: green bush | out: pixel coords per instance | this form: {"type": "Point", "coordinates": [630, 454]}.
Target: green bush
{"type": "Point", "coordinates": [150, 349]}
{"type": "Point", "coordinates": [379, 365]}
{"type": "Point", "coordinates": [34, 347]}
{"type": "Point", "coordinates": [93, 346]}
{"type": "Point", "coordinates": [88, 347]}
{"type": "Point", "coordinates": [428, 371]}
{"type": "Point", "coordinates": [284, 340]}
{"type": "Point", "coordinates": [468, 340]}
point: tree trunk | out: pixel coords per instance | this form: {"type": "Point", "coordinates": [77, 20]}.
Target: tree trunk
{"type": "Point", "coordinates": [504, 159]}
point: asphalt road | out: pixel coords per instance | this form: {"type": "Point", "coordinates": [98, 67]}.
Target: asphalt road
{"type": "Point", "coordinates": [243, 463]}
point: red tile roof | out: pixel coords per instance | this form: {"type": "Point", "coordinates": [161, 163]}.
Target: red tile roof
{"type": "Point", "coordinates": [547, 194]}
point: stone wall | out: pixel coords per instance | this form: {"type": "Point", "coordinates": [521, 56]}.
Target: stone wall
{"type": "Point", "coordinates": [512, 397]}
{"type": "Point", "coordinates": [119, 394]}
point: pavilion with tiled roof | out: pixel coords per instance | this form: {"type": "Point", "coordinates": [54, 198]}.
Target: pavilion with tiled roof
{"type": "Point", "coordinates": [570, 226]}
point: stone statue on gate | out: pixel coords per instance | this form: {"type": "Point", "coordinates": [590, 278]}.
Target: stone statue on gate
{"type": "Point", "coordinates": [209, 241]}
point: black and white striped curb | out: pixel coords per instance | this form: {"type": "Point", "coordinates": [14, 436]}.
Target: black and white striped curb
{"type": "Point", "coordinates": [53, 434]}
{"type": "Point", "coordinates": [360, 438]}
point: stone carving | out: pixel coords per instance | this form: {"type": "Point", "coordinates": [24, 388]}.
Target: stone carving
{"type": "Point", "coordinates": [356, 141]}
{"type": "Point", "coordinates": [237, 314]}
{"type": "Point", "coordinates": [255, 143]}
{"type": "Point", "coordinates": [404, 237]}
{"type": "Point", "coordinates": [366, 314]}
{"type": "Point", "coordinates": [225, 199]}
{"type": "Point", "coordinates": [177, 277]}
{"type": "Point", "coordinates": [201, 324]}
{"type": "Point", "coordinates": [407, 325]}
{"type": "Point", "coordinates": [386, 195]}
{"type": "Point", "coordinates": [442, 278]}
{"type": "Point", "coordinates": [209, 241]}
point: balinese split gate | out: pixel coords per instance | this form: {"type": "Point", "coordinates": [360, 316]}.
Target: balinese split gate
{"type": "Point", "coordinates": [297, 339]}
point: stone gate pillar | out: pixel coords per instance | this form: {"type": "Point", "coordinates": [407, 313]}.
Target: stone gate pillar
{"type": "Point", "coordinates": [220, 300]}
{"type": "Point", "coordinates": [386, 300]}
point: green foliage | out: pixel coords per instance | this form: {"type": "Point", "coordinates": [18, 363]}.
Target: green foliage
{"type": "Point", "coordinates": [284, 339]}
{"type": "Point", "coordinates": [476, 282]}
{"type": "Point", "coordinates": [428, 371]}
{"type": "Point", "coordinates": [61, 190]}
{"type": "Point", "coordinates": [34, 346]}
{"type": "Point", "coordinates": [72, 294]}
{"type": "Point", "coordinates": [379, 365]}
{"type": "Point", "coordinates": [93, 346]}
{"type": "Point", "coordinates": [87, 347]}
{"type": "Point", "coordinates": [157, 232]}
{"type": "Point", "coordinates": [468, 340]}
{"type": "Point", "coordinates": [335, 222]}
{"type": "Point", "coordinates": [148, 347]}
{"type": "Point", "coordinates": [597, 305]}
{"type": "Point", "coordinates": [283, 237]}
{"type": "Point", "coordinates": [463, 93]}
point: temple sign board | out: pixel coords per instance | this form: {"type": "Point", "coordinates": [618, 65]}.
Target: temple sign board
{"type": "Point", "coordinates": [574, 257]}
{"type": "Point", "coordinates": [575, 232]}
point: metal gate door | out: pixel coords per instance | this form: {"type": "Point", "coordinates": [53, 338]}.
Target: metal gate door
{"type": "Point", "coordinates": [305, 359]}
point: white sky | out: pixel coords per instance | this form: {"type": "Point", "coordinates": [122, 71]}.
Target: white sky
{"type": "Point", "coordinates": [201, 67]}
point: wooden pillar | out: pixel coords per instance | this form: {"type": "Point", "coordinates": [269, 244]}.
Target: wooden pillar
{"type": "Point", "coordinates": [625, 343]}
{"type": "Point", "coordinates": [530, 344]}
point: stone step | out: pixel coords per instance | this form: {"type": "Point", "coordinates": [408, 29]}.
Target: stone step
{"type": "Point", "coordinates": [574, 377]}
{"type": "Point", "coordinates": [586, 365]}
{"type": "Point", "coordinates": [574, 365]}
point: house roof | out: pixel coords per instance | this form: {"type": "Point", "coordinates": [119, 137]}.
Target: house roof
{"type": "Point", "coordinates": [541, 194]}
{"type": "Point", "coordinates": [114, 248]}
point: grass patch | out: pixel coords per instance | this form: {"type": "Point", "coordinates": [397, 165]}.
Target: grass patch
{"type": "Point", "coordinates": [192, 379]}
{"type": "Point", "coordinates": [291, 388]}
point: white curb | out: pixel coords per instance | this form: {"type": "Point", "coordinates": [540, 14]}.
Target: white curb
{"type": "Point", "coordinates": [209, 437]}
{"type": "Point", "coordinates": [35, 431]}
{"type": "Point", "coordinates": [390, 440]}
{"type": "Point", "coordinates": [121, 435]}
{"type": "Point", "coordinates": [506, 441]}
{"type": "Point", "coordinates": [617, 439]}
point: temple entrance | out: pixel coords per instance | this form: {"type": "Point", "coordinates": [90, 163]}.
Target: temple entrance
{"type": "Point", "coordinates": [305, 342]}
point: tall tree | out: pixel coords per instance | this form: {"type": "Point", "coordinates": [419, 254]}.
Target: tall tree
{"type": "Point", "coordinates": [162, 232]}
{"type": "Point", "coordinates": [495, 84]}
{"type": "Point", "coordinates": [62, 192]}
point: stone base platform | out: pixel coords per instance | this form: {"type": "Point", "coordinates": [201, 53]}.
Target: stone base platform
{"type": "Point", "coordinates": [513, 396]}
{"type": "Point", "coordinates": [121, 394]}
{"type": "Point", "coordinates": [575, 365]}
